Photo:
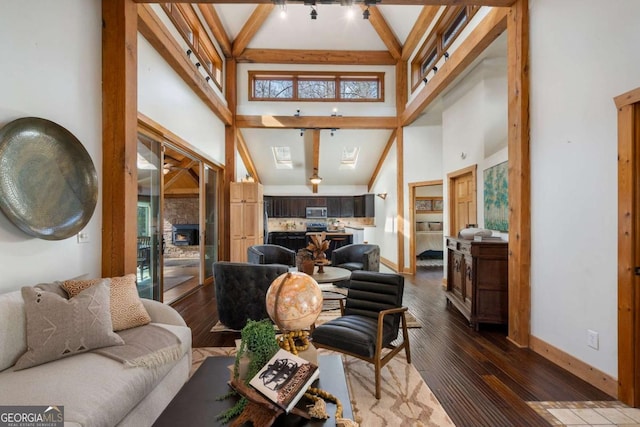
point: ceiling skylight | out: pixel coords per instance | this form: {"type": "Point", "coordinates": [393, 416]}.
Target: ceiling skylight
{"type": "Point", "coordinates": [282, 157]}
{"type": "Point", "coordinates": [349, 157]}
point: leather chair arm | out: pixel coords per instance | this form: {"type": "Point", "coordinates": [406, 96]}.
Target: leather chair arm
{"type": "Point", "coordinates": [383, 313]}
{"type": "Point", "coordinates": [254, 256]}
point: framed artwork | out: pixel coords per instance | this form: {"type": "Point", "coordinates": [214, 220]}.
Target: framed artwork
{"type": "Point", "coordinates": [428, 204]}
{"type": "Point", "coordinates": [496, 197]}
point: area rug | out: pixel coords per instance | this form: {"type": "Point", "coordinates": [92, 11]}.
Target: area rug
{"type": "Point", "coordinates": [406, 398]}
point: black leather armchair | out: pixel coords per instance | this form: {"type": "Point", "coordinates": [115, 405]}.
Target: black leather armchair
{"type": "Point", "coordinates": [271, 254]}
{"type": "Point", "coordinates": [357, 257]}
{"type": "Point", "coordinates": [241, 289]}
{"type": "Point", "coordinates": [372, 316]}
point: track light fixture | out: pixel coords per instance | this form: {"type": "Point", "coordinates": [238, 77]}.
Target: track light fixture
{"type": "Point", "coordinates": [366, 13]}
{"type": "Point", "coordinates": [189, 52]}
{"type": "Point", "coordinates": [446, 56]}
{"type": "Point", "coordinates": [435, 70]}
{"type": "Point", "coordinates": [314, 13]}
{"type": "Point", "coordinates": [425, 80]}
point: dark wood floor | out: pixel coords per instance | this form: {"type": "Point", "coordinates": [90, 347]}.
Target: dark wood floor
{"type": "Point", "coordinates": [480, 378]}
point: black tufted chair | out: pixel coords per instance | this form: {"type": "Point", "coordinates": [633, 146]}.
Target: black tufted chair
{"type": "Point", "coordinates": [271, 254]}
{"type": "Point", "coordinates": [241, 289]}
{"type": "Point", "coordinates": [358, 256]}
{"type": "Point", "coordinates": [370, 321]}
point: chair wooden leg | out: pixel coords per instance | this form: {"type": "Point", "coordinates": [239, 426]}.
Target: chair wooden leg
{"type": "Point", "coordinates": [405, 338]}
{"type": "Point", "coordinates": [377, 369]}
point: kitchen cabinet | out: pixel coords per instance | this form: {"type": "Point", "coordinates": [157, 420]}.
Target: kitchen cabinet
{"type": "Point", "coordinates": [246, 209]}
{"type": "Point", "coordinates": [268, 205]}
{"type": "Point", "coordinates": [314, 202]}
{"type": "Point", "coordinates": [477, 280]}
{"type": "Point", "coordinates": [364, 206]}
{"type": "Point", "coordinates": [346, 206]}
{"type": "Point", "coordinates": [293, 240]}
{"type": "Point", "coordinates": [333, 207]}
{"type": "Point", "coordinates": [337, 206]}
{"type": "Point", "coordinates": [297, 207]}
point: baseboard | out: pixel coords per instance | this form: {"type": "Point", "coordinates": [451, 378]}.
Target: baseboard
{"type": "Point", "coordinates": [588, 373]}
{"type": "Point", "coordinates": [389, 264]}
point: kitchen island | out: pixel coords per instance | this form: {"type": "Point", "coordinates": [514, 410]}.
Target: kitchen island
{"type": "Point", "coordinates": [296, 240]}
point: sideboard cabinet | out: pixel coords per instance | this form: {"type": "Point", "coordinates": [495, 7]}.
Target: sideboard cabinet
{"type": "Point", "coordinates": [477, 280]}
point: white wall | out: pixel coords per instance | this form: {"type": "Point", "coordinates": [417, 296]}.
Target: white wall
{"type": "Point", "coordinates": [583, 53]}
{"type": "Point", "coordinates": [385, 233]}
{"type": "Point", "coordinates": [164, 97]}
{"type": "Point", "coordinates": [51, 68]}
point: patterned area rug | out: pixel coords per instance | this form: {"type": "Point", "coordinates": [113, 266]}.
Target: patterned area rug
{"type": "Point", "coordinates": [406, 399]}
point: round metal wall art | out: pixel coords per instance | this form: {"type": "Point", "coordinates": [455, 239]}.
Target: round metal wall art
{"type": "Point", "coordinates": [48, 182]}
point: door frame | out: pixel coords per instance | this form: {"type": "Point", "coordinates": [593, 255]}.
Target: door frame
{"type": "Point", "coordinates": [412, 219]}
{"type": "Point", "coordinates": [628, 105]}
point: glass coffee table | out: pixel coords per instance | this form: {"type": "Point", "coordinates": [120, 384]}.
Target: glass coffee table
{"type": "Point", "coordinates": [196, 403]}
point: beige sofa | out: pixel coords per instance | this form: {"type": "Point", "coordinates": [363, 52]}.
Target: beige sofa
{"type": "Point", "coordinates": [94, 390]}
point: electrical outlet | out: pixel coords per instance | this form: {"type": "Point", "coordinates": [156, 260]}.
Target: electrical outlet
{"type": "Point", "coordinates": [593, 339]}
{"type": "Point", "coordinates": [83, 237]}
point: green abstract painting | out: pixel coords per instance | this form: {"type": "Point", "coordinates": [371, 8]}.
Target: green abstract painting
{"type": "Point", "coordinates": [496, 197]}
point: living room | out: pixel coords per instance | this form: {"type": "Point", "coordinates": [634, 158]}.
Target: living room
{"type": "Point", "coordinates": [573, 132]}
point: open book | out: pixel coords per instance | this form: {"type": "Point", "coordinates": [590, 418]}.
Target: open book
{"type": "Point", "coordinates": [285, 378]}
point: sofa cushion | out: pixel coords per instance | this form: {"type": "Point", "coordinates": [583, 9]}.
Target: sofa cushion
{"type": "Point", "coordinates": [58, 327]}
{"type": "Point", "coordinates": [127, 310]}
{"type": "Point", "coordinates": [13, 328]}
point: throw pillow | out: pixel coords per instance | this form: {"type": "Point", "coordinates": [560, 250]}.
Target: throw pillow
{"type": "Point", "coordinates": [58, 327]}
{"type": "Point", "coordinates": [127, 310]}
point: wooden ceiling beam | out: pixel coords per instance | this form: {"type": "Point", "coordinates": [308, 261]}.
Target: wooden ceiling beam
{"type": "Point", "coordinates": [316, 122]}
{"type": "Point", "coordinates": [427, 15]}
{"type": "Point", "coordinates": [243, 150]}
{"type": "Point", "coordinates": [152, 29]}
{"type": "Point", "coordinates": [494, 24]}
{"type": "Point", "coordinates": [387, 147]}
{"type": "Point", "coordinates": [251, 27]}
{"type": "Point", "coordinates": [303, 56]}
{"type": "Point", "coordinates": [496, 3]}
{"type": "Point", "coordinates": [377, 21]}
{"type": "Point", "coordinates": [217, 29]}
{"type": "Point", "coordinates": [316, 155]}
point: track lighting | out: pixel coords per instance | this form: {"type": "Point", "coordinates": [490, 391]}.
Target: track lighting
{"type": "Point", "coordinates": [435, 70]}
{"type": "Point", "coordinates": [189, 52]}
{"type": "Point", "coordinates": [198, 65]}
{"type": "Point", "coordinates": [207, 79]}
{"type": "Point", "coordinates": [314, 13]}
{"type": "Point", "coordinates": [446, 56]}
{"type": "Point", "coordinates": [425, 80]}
{"type": "Point", "coordinates": [366, 13]}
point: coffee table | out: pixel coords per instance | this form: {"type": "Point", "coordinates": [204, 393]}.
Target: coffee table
{"type": "Point", "coordinates": [331, 274]}
{"type": "Point", "coordinates": [196, 405]}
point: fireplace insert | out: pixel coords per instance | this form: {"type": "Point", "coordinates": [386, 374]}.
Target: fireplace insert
{"type": "Point", "coordinates": [185, 234]}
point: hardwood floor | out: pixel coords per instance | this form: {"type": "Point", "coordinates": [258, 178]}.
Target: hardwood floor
{"type": "Point", "coordinates": [480, 378]}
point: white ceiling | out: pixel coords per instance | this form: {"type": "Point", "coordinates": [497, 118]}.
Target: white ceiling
{"type": "Point", "coordinates": [331, 31]}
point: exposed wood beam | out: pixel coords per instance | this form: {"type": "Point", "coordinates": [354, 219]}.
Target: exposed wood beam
{"type": "Point", "coordinates": [316, 155]}
{"type": "Point", "coordinates": [217, 29]}
{"type": "Point", "coordinates": [427, 15]}
{"type": "Point", "coordinates": [376, 171]}
{"type": "Point", "coordinates": [400, 196]}
{"type": "Point", "coordinates": [316, 122]}
{"type": "Point", "coordinates": [230, 148]}
{"type": "Point", "coordinates": [519, 174]}
{"type": "Point", "coordinates": [119, 137]}
{"type": "Point", "coordinates": [384, 31]}
{"type": "Point", "coordinates": [485, 33]}
{"type": "Point", "coordinates": [497, 3]}
{"type": "Point", "coordinates": [334, 57]}
{"type": "Point", "coordinates": [246, 156]}
{"type": "Point", "coordinates": [183, 168]}
{"type": "Point", "coordinates": [163, 42]}
{"type": "Point", "coordinates": [251, 27]}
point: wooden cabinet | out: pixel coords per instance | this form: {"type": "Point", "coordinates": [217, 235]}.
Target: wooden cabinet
{"type": "Point", "coordinates": [477, 280]}
{"type": "Point", "coordinates": [364, 206]}
{"type": "Point", "coordinates": [333, 207]}
{"type": "Point", "coordinates": [337, 206]}
{"type": "Point", "coordinates": [346, 207]}
{"type": "Point", "coordinates": [247, 224]}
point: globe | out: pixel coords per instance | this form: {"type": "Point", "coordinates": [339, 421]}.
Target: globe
{"type": "Point", "coordinates": [294, 301]}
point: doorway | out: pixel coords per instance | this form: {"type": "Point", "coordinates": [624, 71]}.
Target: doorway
{"type": "Point", "coordinates": [462, 199]}
{"type": "Point", "coordinates": [426, 242]}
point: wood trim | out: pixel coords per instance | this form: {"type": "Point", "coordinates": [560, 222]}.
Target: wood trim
{"type": "Point", "coordinates": [119, 137]}
{"type": "Point", "coordinates": [315, 134]}
{"type": "Point", "coordinates": [251, 27]}
{"type": "Point", "coordinates": [316, 122]}
{"type": "Point", "coordinates": [383, 156]}
{"type": "Point", "coordinates": [426, 17]}
{"type": "Point", "coordinates": [243, 150]}
{"type": "Point", "coordinates": [304, 56]}
{"type": "Point", "coordinates": [402, 88]}
{"type": "Point", "coordinates": [482, 36]}
{"type": "Point", "coordinates": [217, 29]}
{"type": "Point", "coordinates": [163, 42]}
{"type": "Point", "coordinates": [519, 174]}
{"type": "Point", "coordinates": [230, 147]}
{"type": "Point", "coordinates": [628, 240]}
{"type": "Point", "coordinates": [388, 263]}
{"type": "Point", "coordinates": [380, 25]}
{"type": "Point", "coordinates": [593, 376]}
{"type": "Point", "coordinates": [400, 195]}
{"type": "Point", "coordinates": [496, 3]}
{"type": "Point", "coordinates": [631, 97]}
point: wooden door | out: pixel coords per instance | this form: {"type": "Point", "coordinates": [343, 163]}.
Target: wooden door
{"type": "Point", "coordinates": [462, 199]}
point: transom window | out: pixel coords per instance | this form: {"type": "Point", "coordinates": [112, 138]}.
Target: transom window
{"type": "Point", "coordinates": [188, 25]}
{"type": "Point", "coordinates": [444, 33]}
{"type": "Point", "coordinates": [315, 86]}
